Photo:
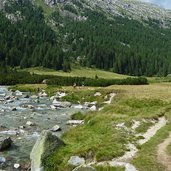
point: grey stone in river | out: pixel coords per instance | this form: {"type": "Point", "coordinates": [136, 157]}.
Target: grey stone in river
{"type": "Point", "coordinates": [5, 143]}
{"type": "Point", "coordinates": [2, 159]}
{"type": "Point", "coordinates": [56, 128]}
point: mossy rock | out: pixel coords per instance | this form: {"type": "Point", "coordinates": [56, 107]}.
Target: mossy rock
{"type": "Point", "coordinates": [45, 145]}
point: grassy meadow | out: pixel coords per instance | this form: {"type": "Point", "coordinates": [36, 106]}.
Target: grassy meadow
{"type": "Point", "coordinates": [99, 139]}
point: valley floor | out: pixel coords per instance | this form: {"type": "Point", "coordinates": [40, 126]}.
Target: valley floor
{"type": "Point", "coordinates": [118, 128]}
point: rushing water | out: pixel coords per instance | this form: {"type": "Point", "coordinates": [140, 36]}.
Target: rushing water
{"type": "Point", "coordinates": [11, 123]}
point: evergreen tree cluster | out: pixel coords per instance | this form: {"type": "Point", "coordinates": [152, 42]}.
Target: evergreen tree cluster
{"type": "Point", "coordinates": [29, 41]}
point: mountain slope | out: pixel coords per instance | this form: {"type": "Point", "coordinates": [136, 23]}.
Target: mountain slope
{"type": "Point", "coordinates": [125, 36]}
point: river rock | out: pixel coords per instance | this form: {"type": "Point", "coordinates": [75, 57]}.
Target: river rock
{"type": "Point", "coordinates": [18, 93]}
{"type": "Point", "coordinates": [75, 122]}
{"type": "Point", "coordinates": [84, 168]}
{"type": "Point", "coordinates": [56, 128]}
{"type": "Point", "coordinates": [2, 159]}
{"type": "Point", "coordinates": [29, 123]}
{"type": "Point", "coordinates": [61, 104]}
{"type": "Point", "coordinates": [14, 109]}
{"type": "Point", "coordinates": [16, 165]}
{"type": "Point", "coordinates": [78, 107]}
{"type": "Point", "coordinates": [45, 145]}
{"type": "Point", "coordinates": [93, 108]}
{"type": "Point", "coordinates": [76, 161]}
{"type": "Point", "coordinates": [5, 143]}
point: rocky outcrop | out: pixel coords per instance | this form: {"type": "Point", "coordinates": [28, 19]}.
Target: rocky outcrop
{"type": "Point", "coordinates": [45, 145]}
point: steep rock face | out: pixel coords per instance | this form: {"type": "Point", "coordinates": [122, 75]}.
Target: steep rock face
{"type": "Point", "coordinates": [45, 145]}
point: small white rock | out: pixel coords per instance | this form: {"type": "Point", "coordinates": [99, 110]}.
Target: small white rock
{"type": "Point", "coordinates": [16, 166]}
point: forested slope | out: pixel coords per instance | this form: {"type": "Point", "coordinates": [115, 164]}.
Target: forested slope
{"type": "Point", "coordinates": [76, 34]}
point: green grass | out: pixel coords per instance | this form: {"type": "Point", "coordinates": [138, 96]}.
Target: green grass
{"type": "Point", "coordinates": [99, 139]}
{"type": "Point", "coordinates": [77, 116]}
{"type": "Point", "coordinates": [107, 168]}
{"type": "Point", "coordinates": [77, 72]}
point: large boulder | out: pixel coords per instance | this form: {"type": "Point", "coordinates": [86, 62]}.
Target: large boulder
{"type": "Point", "coordinates": [84, 168]}
{"type": "Point", "coordinates": [45, 145]}
{"type": "Point", "coordinates": [5, 143]}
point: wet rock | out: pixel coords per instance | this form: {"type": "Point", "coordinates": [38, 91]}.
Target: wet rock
{"type": "Point", "coordinates": [78, 107]}
{"type": "Point", "coordinates": [29, 123]}
{"type": "Point", "coordinates": [75, 122]}
{"type": "Point", "coordinates": [84, 168]}
{"type": "Point", "coordinates": [16, 165]}
{"type": "Point", "coordinates": [14, 109]}
{"type": "Point", "coordinates": [61, 104]}
{"type": "Point", "coordinates": [45, 145]}
{"type": "Point", "coordinates": [30, 106]}
{"type": "Point", "coordinates": [26, 96]}
{"type": "Point", "coordinates": [56, 128]}
{"type": "Point", "coordinates": [52, 98]}
{"type": "Point", "coordinates": [9, 101]}
{"type": "Point", "coordinates": [21, 127]}
{"type": "Point", "coordinates": [5, 143]}
{"type": "Point", "coordinates": [76, 161]}
{"type": "Point", "coordinates": [18, 93]}
{"type": "Point", "coordinates": [7, 98]}
{"type": "Point", "coordinates": [53, 107]}
{"type": "Point", "coordinates": [2, 159]}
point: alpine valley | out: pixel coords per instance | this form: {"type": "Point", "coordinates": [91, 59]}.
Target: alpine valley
{"type": "Point", "coordinates": [123, 36]}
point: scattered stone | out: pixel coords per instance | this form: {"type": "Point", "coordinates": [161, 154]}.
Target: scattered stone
{"type": "Point", "coordinates": [26, 96]}
{"type": "Point", "coordinates": [84, 168]}
{"type": "Point", "coordinates": [97, 94]}
{"type": "Point", "coordinates": [53, 107]}
{"type": "Point", "coordinates": [61, 104]}
{"type": "Point", "coordinates": [45, 145]}
{"type": "Point", "coordinates": [18, 93]}
{"type": "Point", "coordinates": [52, 98]}
{"type": "Point", "coordinates": [30, 106]}
{"type": "Point", "coordinates": [78, 107]}
{"type": "Point", "coordinates": [7, 98]}
{"type": "Point", "coordinates": [29, 123]}
{"type": "Point", "coordinates": [76, 161]}
{"type": "Point", "coordinates": [2, 159]}
{"type": "Point", "coordinates": [5, 143]}
{"type": "Point", "coordinates": [9, 101]}
{"type": "Point", "coordinates": [14, 109]}
{"type": "Point", "coordinates": [93, 108]}
{"type": "Point", "coordinates": [56, 128]}
{"type": "Point", "coordinates": [75, 122]}
{"type": "Point", "coordinates": [21, 127]}
{"type": "Point", "coordinates": [16, 166]}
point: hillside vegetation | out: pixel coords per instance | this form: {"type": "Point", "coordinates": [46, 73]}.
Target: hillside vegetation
{"type": "Point", "coordinates": [56, 37]}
